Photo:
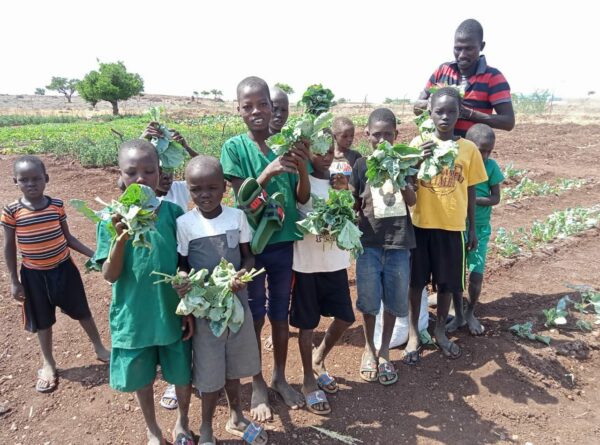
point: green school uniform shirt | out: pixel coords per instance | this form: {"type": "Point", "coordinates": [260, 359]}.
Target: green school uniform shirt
{"type": "Point", "coordinates": [483, 190]}
{"type": "Point", "coordinates": [141, 313]}
{"type": "Point", "coordinates": [242, 158]}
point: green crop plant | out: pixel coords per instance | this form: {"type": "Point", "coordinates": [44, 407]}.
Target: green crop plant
{"type": "Point", "coordinates": [528, 187]}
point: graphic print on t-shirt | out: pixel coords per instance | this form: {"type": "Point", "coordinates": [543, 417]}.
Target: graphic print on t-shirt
{"type": "Point", "coordinates": [445, 182]}
{"type": "Point", "coordinates": [340, 166]}
{"type": "Point", "coordinates": [386, 203]}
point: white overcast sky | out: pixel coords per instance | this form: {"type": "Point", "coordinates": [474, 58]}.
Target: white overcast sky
{"type": "Point", "coordinates": [363, 48]}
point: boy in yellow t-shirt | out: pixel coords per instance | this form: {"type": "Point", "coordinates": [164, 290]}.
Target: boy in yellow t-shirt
{"type": "Point", "coordinates": [443, 206]}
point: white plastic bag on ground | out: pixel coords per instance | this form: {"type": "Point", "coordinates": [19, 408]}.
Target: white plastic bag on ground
{"type": "Point", "coordinates": [400, 334]}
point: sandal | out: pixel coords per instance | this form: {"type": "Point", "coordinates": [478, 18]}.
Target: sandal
{"type": "Point", "coordinates": [327, 383]}
{"type": "Point", "coordinates": [45, 385]}
{"type": "Point", "coordinates": [386, 369]}
{"type": "Point", "coordinates": [270, 222]}
{"type": "Point", "coordinates": [366, 367]}
{"type": "Point", "coordinates": [411, 358]}
{"type": "Point", "coordinates": [252, 199]}
{"type": "Point", "coordinates": [169, 398]}
{"type": "Point", "coordinates": [184, 439]}
{"type": "Point", "coordinates": [253, 434]}
{"type": "Point", "coordinates": [315, 398]}
{"type": "Point", "coordinates": [448, 353]}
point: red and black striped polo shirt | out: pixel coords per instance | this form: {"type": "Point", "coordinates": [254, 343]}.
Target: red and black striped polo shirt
{"type": "Point", "coordinates": [484, 90]}
{"type": "Point", "coordinates": [39, 233]}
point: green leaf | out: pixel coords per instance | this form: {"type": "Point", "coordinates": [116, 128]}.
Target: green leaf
{"type": "Point", "coordinates": [83, 208]}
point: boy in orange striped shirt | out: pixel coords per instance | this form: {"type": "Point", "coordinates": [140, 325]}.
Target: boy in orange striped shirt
{"type": "Point", "coordinates": [37, 225]}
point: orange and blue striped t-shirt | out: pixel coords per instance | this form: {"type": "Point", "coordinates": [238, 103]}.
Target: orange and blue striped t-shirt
{"type": "Point", "coordinates": [39, 233]}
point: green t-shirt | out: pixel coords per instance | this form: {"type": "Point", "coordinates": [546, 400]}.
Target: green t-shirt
{"type": "Point", "coordinates": [483, 189]}
{"type": "Point", "coordinates": [242, 158]}
{"type": "Point", "coordinates": [142, 313]}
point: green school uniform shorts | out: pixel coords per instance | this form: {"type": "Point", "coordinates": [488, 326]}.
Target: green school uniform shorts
{"type": "Point", "coordinates": [476, 258]}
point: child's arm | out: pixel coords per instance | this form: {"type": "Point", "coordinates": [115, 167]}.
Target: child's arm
{"type": "Point", "coordinates": [113, 266]}
{"type": "Point", "coordinates": [492, 200]}
{"type": "Point", "coordinates": [301, 154]}
{"type": "Point", "coordinates": [74, 243]}
{"type": "Point", "coordinates": [181, 140]}
{"type": "Point", "coordinates": [408, 193]}
{"type": "Point", "coordinates": [10, 257]}
{"type": "Point", "coordinates": [472, 237]}
{"type": "Point", "coordinates": [247, 265]}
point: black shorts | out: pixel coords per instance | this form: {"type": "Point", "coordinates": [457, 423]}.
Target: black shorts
{"type": "Point", "coordinates": [47, 289]}
{"type": "Point", "coordinates": [439, 258]}
{"type": "Point", "coordinates": [320, 294]}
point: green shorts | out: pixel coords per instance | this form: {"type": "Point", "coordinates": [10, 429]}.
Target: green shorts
{"type": "Point", "coordinates": [476, 258]}
{"type": "Point", "coordinates": [132, 369]}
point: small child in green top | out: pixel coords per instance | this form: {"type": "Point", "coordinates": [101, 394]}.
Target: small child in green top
{"type": "Point", "coordinates": [487, 195]}
{"type": "Point", "coordinates": [145, 331]}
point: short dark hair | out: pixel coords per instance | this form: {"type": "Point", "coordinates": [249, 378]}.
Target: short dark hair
{"type": "Point", "coordinates": [470, 27]}
{"type": "Point", "coordinates": [278, 91]}
{"type": "Point", "coordinates": [202, 162]}
{"type": "Point", "coordinates": [138, 144]}
{"type": "Point", "coordinates": [480, 131]}
{"type": "Point", "coordinates": [447, 91]}
{"type": "Point", "coordinates": [29, 159]}
{"type": "Point", "coordinates": [341, 122]}
{"type": "Point", "coordinates": [382, 115]}
{"type": "Point", "coordinates": [253, 82]}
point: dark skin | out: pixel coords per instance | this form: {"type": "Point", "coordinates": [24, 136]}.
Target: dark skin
{"type": "Point", "coordinates": [377, 132]}
{"type": "Point", "coordinates": [255, 108]}
{"type": "Point", "coordinates": [462, 318]}
{"type": "Point", "coordinates": [467, 49]}
{"type": "Point", "coordinates": [281, 110]}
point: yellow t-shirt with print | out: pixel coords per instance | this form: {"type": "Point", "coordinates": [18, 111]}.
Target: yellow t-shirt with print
{"type": "Point", "coordinates": [442, 203]}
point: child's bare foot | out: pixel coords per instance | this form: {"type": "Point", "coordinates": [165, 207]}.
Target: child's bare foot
{"type": "Point", "coordinates": [155, 438]}
{"type": "Point", "coordinates": [206, 434]}
{"type": "Point", "coordinates": [290, 396]}
{"type": "Point", "coordinates": [475, 327]}
{"type": "Point", "coordinates": [259, 405]}
{"type": "Point", "coordinates": [455, 324]}
{"type": "Point", "coordinates": [449, 348]}
{"type": "Point", "coordinates": [103, 354]}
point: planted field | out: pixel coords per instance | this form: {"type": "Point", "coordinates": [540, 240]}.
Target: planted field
{"type": "Point", "coordinates": [507, 388]}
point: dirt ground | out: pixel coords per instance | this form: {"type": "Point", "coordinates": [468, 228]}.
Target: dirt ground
{"type": "Point", "coordinates": [503, 390]}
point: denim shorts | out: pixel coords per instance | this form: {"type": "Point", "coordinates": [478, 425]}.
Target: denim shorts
{"type": "Point", "coordinates": [382, 275]}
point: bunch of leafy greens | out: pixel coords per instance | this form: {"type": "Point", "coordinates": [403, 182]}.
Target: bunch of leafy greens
{"type": "Point", "coordinates": [336, 218]}
{"type": "Point", "coordinates": [317, 100]}
{"type": "Point", "coordinates": [170, 153]}
{"type": "Point", "coordinates": [525, 330]}
{"type": "Point", "coordinates": [137, 209]}
{"type": "Point", "coordinates": [211, 296]}
{"type": "Point", "coordinates": [443, 154]}
{"type": "Point", "coordinates": [307, 127]}
{"type": "Point", "coordinates": [393, 162]}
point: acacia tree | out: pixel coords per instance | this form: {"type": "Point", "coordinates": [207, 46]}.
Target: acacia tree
{"type": "Point", "coordinates": [205, 93]}
{"type": "Point", "coordinates": [111, 83]}
{"type": "Point", "coordinates": [64, 86]}
{"type": "Point", "coordinates": [216, 93]}
{"type": "Point", "coordinates": [285, 88]}
{"type": "Point", "coordinates": [40, 91]}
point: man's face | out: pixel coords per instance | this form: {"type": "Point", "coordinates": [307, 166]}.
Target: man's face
{"type": "Point", "coordinates": [466, 52]}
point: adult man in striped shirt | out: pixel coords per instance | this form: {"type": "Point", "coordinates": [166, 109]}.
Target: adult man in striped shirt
{"type": "Point", "coordinates": [486, 89]}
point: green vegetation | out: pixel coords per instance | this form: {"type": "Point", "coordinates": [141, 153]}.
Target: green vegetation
{"type": "Point", "coordinates": [40, 91]}
{"type": "Point", "coordinates": [525, 330]}
{"type": "Point", "coordinates": [511, 172]}
{"type": "Point", "coordinates": [285, 88]}
{"type": "Point", "coordinates": [527, 187]}
{"type": "Point", "coordinates": [537, 102]}
{"type": "Point", "coordinates": [63, 85]}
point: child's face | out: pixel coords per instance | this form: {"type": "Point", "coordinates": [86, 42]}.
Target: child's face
{"type": "Point", "coordinates": [321, 163]}
{"type": "Point", "coordinates": [206, 189]}
{"type": "Point", "coordinates": [140, 167]}
{"type": "Point", "coordinates": [344, 137]}
{"type": "Point", "coordinates": [444, 113]}
{"type": "Point", "coordinates": [31, 180]}
{"type": "Point", "coordinates": [165, 181]}
{"type": "Point", "coordinates": [281, 112]}
{"type": "Point", "coordinates": [466, 51]}
{"type": "Point", "coordinates": [380, 131]}
{"type": "Point", "coordinates": [254, 106]}
{"type": "Point", "coordinates": [486, 146]}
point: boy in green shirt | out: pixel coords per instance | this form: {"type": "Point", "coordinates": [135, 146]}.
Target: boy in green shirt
{"type": "Point", "coordinates": [487, 195]}
{"type": "Point", "coordinates": [145, 331]}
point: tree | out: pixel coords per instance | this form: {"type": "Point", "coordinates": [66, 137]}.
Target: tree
{"type": "Point", "coordinates": [111, 83]}
{"type": "Point", "coordinates": [64, 86]}
{"type": "Point", "coordinates": [205, 93]}
{"type": "Point", "coordinates": [285, 88]}
{"type": "Point", "coordinates": [40, 92]}
{"type": "Point", "coordinates": [216, 93]}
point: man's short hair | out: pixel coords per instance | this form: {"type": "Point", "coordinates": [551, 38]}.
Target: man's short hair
{"type": "Point", "coordinates": [470, 27]}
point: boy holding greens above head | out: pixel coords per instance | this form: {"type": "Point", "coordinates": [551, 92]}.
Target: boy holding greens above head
{"type": "Point", "coordinates": [248, 156]}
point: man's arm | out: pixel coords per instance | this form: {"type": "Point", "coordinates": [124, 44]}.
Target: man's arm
{"type": "Point", "coordinates": [504, 119]}
{"type": "Point", "coordinates": [492, 200]}
{"type": "Point", "coordinates": [10, 257]}
{"type": "Point", "coordinates": [74, 243]}
{"type": "Point", "coordinates": [421, 103]}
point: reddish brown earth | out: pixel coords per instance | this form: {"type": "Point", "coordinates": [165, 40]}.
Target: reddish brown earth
{"type": "Point", "coordinates": [502, 390]}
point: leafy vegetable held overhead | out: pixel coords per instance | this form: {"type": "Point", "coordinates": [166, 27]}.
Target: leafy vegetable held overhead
{"type": "Point", "coordinates": [306, 127]}
{"type": "Point", "coordinates": [393, 162]}
{"type": "Point", "coordinates": [335, 217]}
{"type": "Point", "coordinates": [136, 206]}
{"type": "Point", "coordinates": [211, 296]}
{"type": "Point", "coordinates": [317, 100]}
{"type": "Point", "coordinates": [170, 153]}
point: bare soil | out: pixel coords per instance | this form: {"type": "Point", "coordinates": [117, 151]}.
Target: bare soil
{"type": "Point", "coordinates": [503, 390]}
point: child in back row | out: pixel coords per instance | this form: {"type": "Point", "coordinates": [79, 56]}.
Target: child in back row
{"type": "Point", "coordinates": [383, 270]}
{"type": "Point", "coordinates": [487, 195]}
{"type": "Point", "coordinates": [344, 156]}
{"type": "Point", "coordinates": [443, 205]}
{"type": "Point", "coordinates": [37, 225]}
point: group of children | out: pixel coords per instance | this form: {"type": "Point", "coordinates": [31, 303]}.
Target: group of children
{"type": "Point", "coordinates": [425, 233]}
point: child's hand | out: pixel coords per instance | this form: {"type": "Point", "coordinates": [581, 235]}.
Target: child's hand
{"type": "Point", "coordinates": [18, 292]}
{"type": "Point", "coordinates": [300, 154]}
{"type": "Point", "coordinates": [427, 148]}
{"type": "Point", "coordinates": [282, 164]}
{"type": "Point", "coordinates": [236, 283]}
{"type": "Point", "coordinates": [187, 326]}
{"type": "Point", "coordinates": [339, 181]}
{"type": "Point", "coordinates": [152, 131]}
{"type": "Point", "coordinates": [121, 228]}
{"type": "Point", "coordinates": [472, 239]}
{"type": "Point", "coordinates": [177, 137]}
{"type": "Point", "coordinates": [184, 288]}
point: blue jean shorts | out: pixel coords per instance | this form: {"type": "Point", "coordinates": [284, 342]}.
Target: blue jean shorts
{"type": "Point", "coordinates": [382, 275]}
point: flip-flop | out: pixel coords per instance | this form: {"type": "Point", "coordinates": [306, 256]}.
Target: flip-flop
{"type": "Point", "coordinates": [169, 394]}
{"type": "Point", "coordinates": [252, 199]}
{"type": "Point", "coordinates": [184, 439]}
{"type": "Point", "coordinates": [45, 385]}
{"type": "Point", "coordinates": [270, 222]}
{"type": "Point", "coordinates": [326, 382]}
{"type": "Point", "coordinates": [411, 358]}
{"type": "Point", "coordinates": [448, 354]}
{"type": "Point", "coordinates": [250, 435]}
{"type": "Point", "coordinates": [313, 399]}
{"type": "Point", "coordinates": [368, 366]}
{"type": "Point", "coordinates": [386, 369]}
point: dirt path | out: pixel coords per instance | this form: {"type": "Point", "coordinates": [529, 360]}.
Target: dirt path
{"type": "Point", "coordinates": [502, 390]}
